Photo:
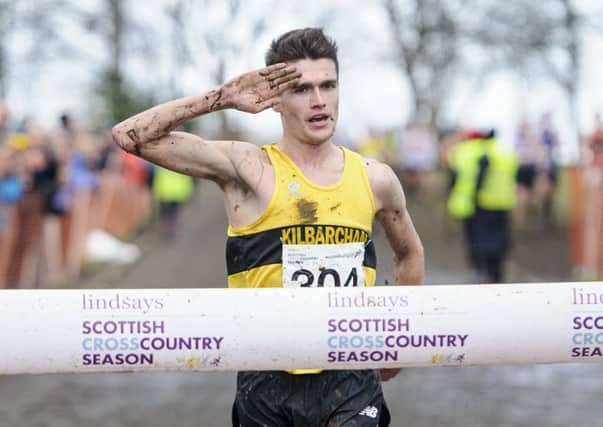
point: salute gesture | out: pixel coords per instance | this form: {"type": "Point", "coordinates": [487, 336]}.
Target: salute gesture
{"type": "Point", "coordinates": [250, 92]}
{"type": "Point", "coordinates": [257, 90]}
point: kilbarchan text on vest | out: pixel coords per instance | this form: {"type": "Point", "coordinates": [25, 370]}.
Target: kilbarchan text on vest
{"type": "Point", "coordinates": [322, 234]}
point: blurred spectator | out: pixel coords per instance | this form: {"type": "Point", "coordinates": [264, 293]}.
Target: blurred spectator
{"type": "Point", "coordinates": [11, 180]}
{"type": "Point", "coordinates": [54, 190]}
{"type": "Point", "coordinates": [43, 171]}
{"type": "Point", "coordinates": [372, 146]}
{"type": "Point", "coordinates": [6, 128]}
{"type": "Point", "coordinates": [62, 145]}
{"type": "Point", "coordinates": [482, 195]}
{"type": "Point", "coordinates": [171, 190]}
{"type": "Point", "coordinates": [12, 186]}
{"type": "Point", "coordinates": [66, 127]}
{"type": "Point", "coordinates": [532, 162]}
{"type": "Point", "coordinates": [389, 140]}
{"type": "Point", "coordinates": [27, 250]}
{"type": "Point", "coordinates": [550, 171]}
{"type": "Point", "coordinates": [76, 151]}
{"type": "Point", "coordinates": [418, 158]}
{"type": "Point", "coordinates": [595, 143]}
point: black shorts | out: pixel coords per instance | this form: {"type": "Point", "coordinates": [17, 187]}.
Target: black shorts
{"type": "Point", "coordinates": [526, 176]}
{"type": "Point", "coordinates": [328, 399]}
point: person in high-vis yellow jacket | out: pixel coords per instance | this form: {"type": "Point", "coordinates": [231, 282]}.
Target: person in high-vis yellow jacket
{"type": "Point", "coordinates": [482, 195]}
{"type": "Point", "coordinates": [171, 190]}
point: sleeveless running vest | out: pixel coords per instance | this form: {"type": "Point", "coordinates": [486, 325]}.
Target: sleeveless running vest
{"type": "Point", "coordinates": [309, 235]}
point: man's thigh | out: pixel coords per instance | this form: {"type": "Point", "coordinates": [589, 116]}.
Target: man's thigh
{"type": "Point", "coordinates": [355, 399]}
{"type": "Point", "coordinates": [261, 399]}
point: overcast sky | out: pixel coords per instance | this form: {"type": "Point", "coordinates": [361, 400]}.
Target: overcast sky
{"type": "Point", "coordinates": [373, 94]}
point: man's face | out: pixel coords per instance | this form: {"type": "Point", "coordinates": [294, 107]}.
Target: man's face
{"type": "Point", "coordinates": [309, 110]}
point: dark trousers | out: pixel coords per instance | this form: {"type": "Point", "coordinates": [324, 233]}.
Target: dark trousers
{"type": "Point", "coordinates": [488, 267]}
{"type": "Point", "coordinates": [487, 237]}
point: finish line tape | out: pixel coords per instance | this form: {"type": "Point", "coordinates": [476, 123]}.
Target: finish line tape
{"type": "Point", "coordinates": [52, 331]}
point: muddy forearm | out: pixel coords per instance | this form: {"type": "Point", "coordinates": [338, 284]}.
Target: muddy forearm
{"type": "Point", "coordinates": [151, 125]}
{"type": "Point", "coordinates": [410, 269]}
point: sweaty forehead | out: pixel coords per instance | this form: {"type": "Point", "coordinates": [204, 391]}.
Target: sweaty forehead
{"type": "Point", "coordinates": [316, 69]}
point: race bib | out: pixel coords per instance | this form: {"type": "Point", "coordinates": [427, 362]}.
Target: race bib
{"type": "Point", "coordinates": [323, 265]}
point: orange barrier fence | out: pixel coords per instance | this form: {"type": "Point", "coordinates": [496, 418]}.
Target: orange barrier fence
{"type": "Point", "coordinates": [576, 216]}
{"type": "Point", "coordinates": [38, 249]}
{"type": "Point", "coordinates": [585, 223]}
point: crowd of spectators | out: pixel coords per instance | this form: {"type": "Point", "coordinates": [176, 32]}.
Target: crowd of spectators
{"type": "Point", "coordinates": [56, 185]}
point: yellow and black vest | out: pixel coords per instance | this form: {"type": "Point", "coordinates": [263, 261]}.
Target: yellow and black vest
{"type": "Point", "coordinates": [303, 213]}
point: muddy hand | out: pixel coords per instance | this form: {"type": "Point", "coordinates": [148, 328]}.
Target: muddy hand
{"type": "Point", "coordinates": [257, 90]}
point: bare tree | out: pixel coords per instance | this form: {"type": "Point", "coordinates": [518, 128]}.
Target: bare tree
{"type": "Point", "coordinates": [7, 21]}
{"type": "Point", "coordinates": [545, 37]}
{"type": "Point", "coordinates": [434, 40]}
{"type": "Point", "coordinates": [425, 37]}
{"type": "Point", "coordinates": [181, 55]}
{"type": "Point", "coordinates": [36, 22]}
{"type": "Point", "coordinates": [566, 34]}
{"type": "Point", "coordinates": [119, 32]}
{"type": "Point", "coordinates": [220, 33]}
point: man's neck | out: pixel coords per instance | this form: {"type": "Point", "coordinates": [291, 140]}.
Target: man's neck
{"type": "Point", "coordinates": [322, 163]}
{"type": "Point", "coordinates": [310, 155]}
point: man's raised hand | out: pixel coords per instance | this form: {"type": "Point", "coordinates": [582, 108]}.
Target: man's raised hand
{"type": "Point", "coordinates": [257, 90]}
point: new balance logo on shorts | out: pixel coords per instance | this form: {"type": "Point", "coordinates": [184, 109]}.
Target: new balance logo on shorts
{"type": "Point", "coordinates": [369, 411]}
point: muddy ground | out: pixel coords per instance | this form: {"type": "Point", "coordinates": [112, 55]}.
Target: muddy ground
{"type": "Point", "coordinates": [502, 396]}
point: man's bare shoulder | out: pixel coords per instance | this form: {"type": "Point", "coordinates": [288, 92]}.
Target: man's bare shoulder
{"type": "Point", "coordinates": [380, 175]}
{"type": "Point", "coordinates": [250, 164]}
{"type": "Point", "coordinates": [239, 148]}
{"type": "Point", "coordinates": [243, 155]}
{"type": "Point", "coordinates": [384, 183]}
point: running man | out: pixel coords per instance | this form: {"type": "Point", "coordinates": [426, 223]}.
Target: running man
{"type": "Point", "coordinates": [302, 195]}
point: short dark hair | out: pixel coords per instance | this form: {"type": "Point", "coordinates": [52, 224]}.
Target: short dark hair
{"type": "Point", "coordinates": [304, 43]}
